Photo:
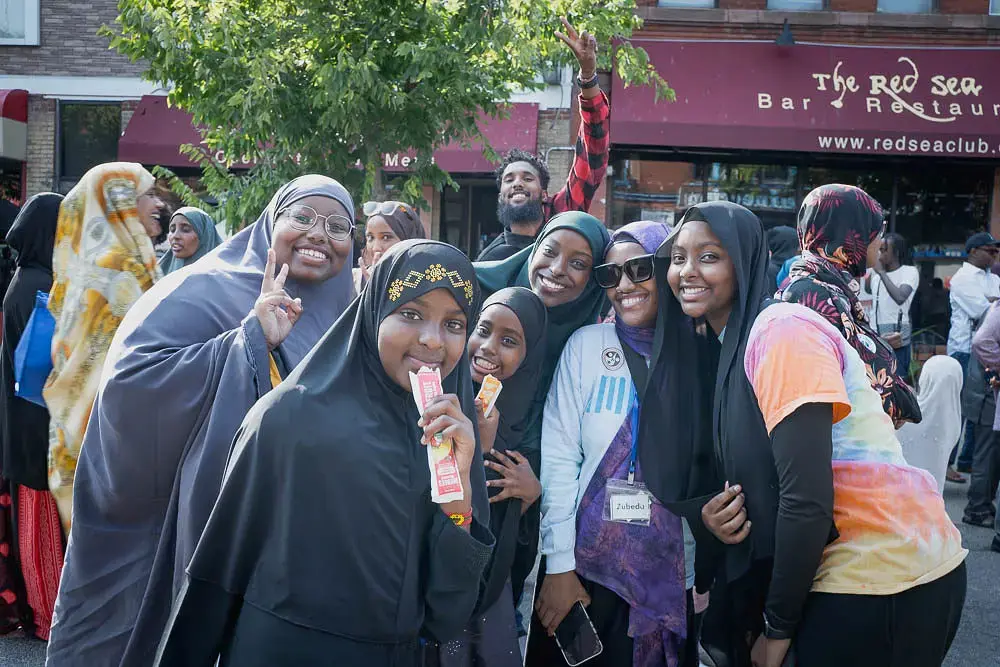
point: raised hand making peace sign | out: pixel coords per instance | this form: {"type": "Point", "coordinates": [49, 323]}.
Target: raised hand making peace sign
{"type": "Point", "coordinates": [275, 310]}
{"type": "Point", "coordinates": [584, 47]}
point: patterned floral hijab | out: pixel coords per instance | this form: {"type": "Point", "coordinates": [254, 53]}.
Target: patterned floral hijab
{"type": "Point", "coordinates": [836, 225]}
{"type": "Point", "coordinates": [102, 264]}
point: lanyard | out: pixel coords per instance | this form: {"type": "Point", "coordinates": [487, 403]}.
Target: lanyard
{"type": "Point", "coordinates": [640, 375]}
{"type": "Point", "coordinates": [635, 435]}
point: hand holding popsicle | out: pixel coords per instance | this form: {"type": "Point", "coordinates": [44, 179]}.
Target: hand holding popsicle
{"type": "Point", "coordinates": [444, 416]}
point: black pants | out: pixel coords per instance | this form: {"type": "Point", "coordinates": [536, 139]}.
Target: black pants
{"type": "Point", "coordinates": [985, 474]}
{"type": "Point", "coordinates": [609, 614]}
{"type": "Point", "coordinates": [914, 628]}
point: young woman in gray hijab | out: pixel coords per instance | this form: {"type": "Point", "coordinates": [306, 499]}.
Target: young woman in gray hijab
{"type": "Point", "coordinates": [191, 236]}
{"type": "Point", "coordinates": [189, 360]}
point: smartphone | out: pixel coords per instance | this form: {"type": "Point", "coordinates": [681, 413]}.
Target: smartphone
{"type": "Point", "coordinates": [577, 638]}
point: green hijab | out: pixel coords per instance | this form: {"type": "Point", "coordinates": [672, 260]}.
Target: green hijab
{"type": "Point", "coordinates": [563, 319]}
{"type": "Point", "coordinates": [208, 239]}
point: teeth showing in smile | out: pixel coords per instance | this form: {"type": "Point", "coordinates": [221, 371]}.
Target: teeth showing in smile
{"type": "Point", "coordinates": [550, 284]}
{"type": "Point", "coordinates": [484, 365]}
{"type": "Point", "coordinates": [693, 291]}
{"type": "Point", "coordinates": [633, 300]}
{"type": "Point", "coordinates": [519, 197]}
{"type": "Point", "coordinates": [308, 252]}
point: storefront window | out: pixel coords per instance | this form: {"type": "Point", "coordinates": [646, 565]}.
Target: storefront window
{"type": "Point", "coordinates": [876, 182]}
{"type": "Point", "coordinates": [767, 190]}
{"type": "Point", "coordinates": [10, 181]}
{"type": "Point", "coordinates": [797, 5]}
{"type": "Point", "coordinates": [653, 190]}
{"type": "Point", "coordinates": [906, 6]}
{"type": "Point", "coordinates": [88, 136]}
{"type": "Point", "coordinates": [935, 209]}
{"type": "Point", "coordinates": [939, 208]}
{"type": "Point", "coordinates": [469, 216]}
{"type": "Point", "coordinates": [994, 7]}
{"type": "Point", "coordinates": [19, 21]}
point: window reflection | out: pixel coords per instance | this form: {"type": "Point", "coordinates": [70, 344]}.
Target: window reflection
{"type": "Point", "coordinates": [653, 190]}
{"type": "Point", "coordinates": [936, 209]}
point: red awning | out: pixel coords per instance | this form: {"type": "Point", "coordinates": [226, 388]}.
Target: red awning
{"type": "Point", "coordinates": [156, 132]}
{"type": "Point", "coordinates": [816, 98]}
{"type": "Point", "coordinates": [518, 130]}
{"type": "Point", "coordinates": [14, 105]}
{"type": "Point", "coordinates": [14, 124]}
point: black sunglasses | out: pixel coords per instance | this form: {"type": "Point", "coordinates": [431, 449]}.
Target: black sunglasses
{"type": "Point", "coordinates": [638, 269]}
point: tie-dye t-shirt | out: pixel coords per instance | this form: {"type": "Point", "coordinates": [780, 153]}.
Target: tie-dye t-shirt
{"type": "Point", "coordinates": [894, 531]}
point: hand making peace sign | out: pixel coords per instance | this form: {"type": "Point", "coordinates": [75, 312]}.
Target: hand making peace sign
{"type": "Point", "coordinates": [584, 47]}
{"type": "Point", "coordinates": [276, 311]}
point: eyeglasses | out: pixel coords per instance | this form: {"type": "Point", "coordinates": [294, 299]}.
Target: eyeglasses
{"type": "Point", "coordinates": [371, 208]}
{"type": "Point", "coordinates": [991, 249]}
{"type": "Point", "coordinates": [638, 269]}
{"type": "Point", "coordinates": [303, 218]}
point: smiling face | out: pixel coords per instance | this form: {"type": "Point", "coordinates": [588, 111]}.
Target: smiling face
{"type": "Point", "coordinates": [496, 346]}
{"type": "Point", "coordinates": [634, 303]}
{"type": "Point", "coordinates": [701, 275]}
{"type": "Point", "coordinates": [427, 331]}
{"type": "Point", "coordinates": [182, 238]}
{"type": "Point", "coordinates": [312, 256]}
{"type": "Point", "coordinates": [560, 267]}
{"type": "Point", "coordinates": [379, 237]}
{"type": "Point", "coordinates": [520, 185]}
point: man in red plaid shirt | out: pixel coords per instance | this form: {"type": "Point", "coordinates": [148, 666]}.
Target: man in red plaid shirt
{"type": "Point", "coordinates": [524, 204]}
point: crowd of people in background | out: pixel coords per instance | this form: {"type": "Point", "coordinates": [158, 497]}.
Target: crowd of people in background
{"type": "Point", "coordinates": [229, 466]}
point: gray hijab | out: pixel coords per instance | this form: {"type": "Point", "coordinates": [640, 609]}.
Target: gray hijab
{"type": "Point", "coordinates": [186, 365]}
{"type": "Point", "coordinates": [208, 239]}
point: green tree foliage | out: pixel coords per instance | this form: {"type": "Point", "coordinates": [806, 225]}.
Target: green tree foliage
{"type": "Point", "coordinates": [328, 86]}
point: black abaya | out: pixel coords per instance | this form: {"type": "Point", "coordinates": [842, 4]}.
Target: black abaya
{"type": "Point", "coordinates": [324, 533]}
{"type": "Point", "coordinates": [25, 431]}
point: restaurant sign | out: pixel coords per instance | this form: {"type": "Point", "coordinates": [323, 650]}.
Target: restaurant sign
{"type": "Point", "coordinates": [817, 98]}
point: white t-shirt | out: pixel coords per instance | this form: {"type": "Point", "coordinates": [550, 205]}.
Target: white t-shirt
{"type": "Point", "coordinates": [887, 315]}
{"type": "Point", "coordinates": [590, 397]}
{"type": "Point", "coordinates": [970, 294]}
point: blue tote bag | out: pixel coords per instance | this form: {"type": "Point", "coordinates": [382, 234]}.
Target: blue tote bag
{"type": "Point", "coordinates": [33, 356]}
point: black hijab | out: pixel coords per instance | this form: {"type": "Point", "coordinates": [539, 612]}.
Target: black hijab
{"type": "Point", "coordinates": [33, 234]}
{"type": "Point", "coordinates": [514, 404]}
{"type": "Point", "coordinates": [323, 517]}
{"type": "Point", "coordinates": [738, 448]}
{"type": "Point", "coordinates": [518, 392]}
{"type": "Point", "coordinates": [783, 242]}
{"type": "Point", "coordinates": [25, 430]}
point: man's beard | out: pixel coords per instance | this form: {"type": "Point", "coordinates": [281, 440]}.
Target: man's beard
{"type": "Point", "coordinates": [510, 214]}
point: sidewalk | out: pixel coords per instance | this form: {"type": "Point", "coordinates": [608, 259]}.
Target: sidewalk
{"type": "Point", "coordinates": [977, 643]}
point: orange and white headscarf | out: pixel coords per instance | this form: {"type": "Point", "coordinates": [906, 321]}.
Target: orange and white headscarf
{"type": "Point", "coordinates": [102, 264]}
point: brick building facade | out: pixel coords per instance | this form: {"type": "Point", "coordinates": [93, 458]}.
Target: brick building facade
{"type": "Point", "coordinates": [80, 93]}
{"type": "Point", "coordinates": [758, 89]}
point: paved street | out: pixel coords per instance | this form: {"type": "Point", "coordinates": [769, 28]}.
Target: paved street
{"type": "Point", "coordinates": [977, 644]}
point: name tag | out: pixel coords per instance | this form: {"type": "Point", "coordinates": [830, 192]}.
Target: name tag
{"type": "Point", "coordinates": [630, 507]}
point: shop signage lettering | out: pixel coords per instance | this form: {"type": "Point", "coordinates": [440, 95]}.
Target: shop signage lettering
{"type": "Point", "coordinates": [939, 98]}
{"type": "Point", "coordinates": [245, 160]}
{"type": "Point", "coordinates": [396, 160]}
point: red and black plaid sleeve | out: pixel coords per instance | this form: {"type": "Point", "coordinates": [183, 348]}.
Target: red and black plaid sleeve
{"type": "Point", "coordinates": [591, 161]}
